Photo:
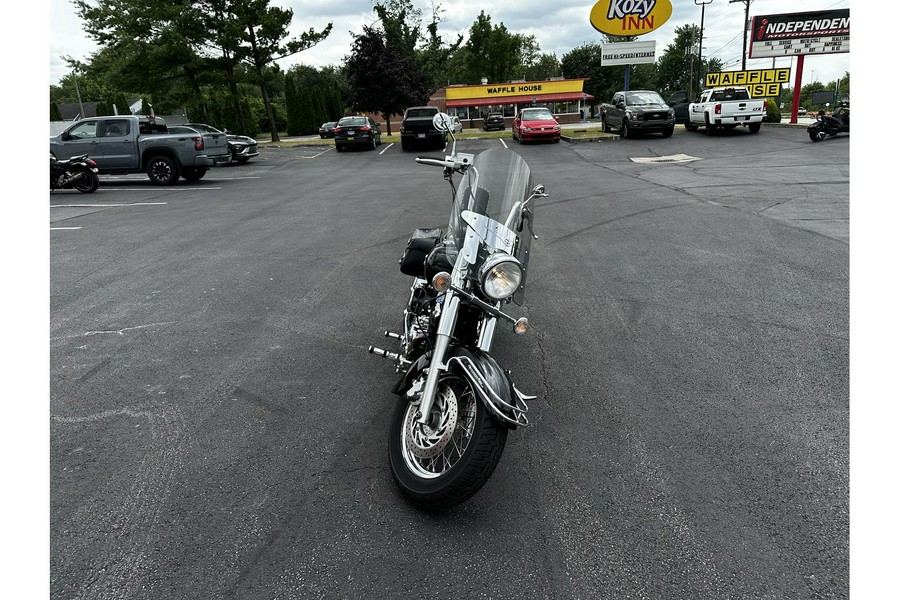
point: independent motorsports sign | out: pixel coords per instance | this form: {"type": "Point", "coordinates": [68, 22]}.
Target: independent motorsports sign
{"type": "Point", "coordinates": [821, 32]}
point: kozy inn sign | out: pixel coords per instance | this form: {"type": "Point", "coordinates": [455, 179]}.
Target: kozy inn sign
{"type": "Point", "coordinates": [630, 17]}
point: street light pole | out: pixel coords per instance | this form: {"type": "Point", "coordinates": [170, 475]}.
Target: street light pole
{"type": "Point", "coordinates": [746, 27]}
{"type": "Point", "coordinates": [702, 5]}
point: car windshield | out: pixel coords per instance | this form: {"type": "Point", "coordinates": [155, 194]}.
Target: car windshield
{"type": "Point", "coordinates": [642, 98]}
{"type": "Point", "coordinates": [502, 182]}
{"type": "Point", "coordinates": [537, 114]}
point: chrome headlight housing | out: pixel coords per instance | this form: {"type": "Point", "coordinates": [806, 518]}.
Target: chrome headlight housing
{"type": "Point", "coordinates": [500, 276]}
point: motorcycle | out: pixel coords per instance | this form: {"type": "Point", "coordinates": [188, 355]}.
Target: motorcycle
{"type": "Point", "coordinates": [79, 172]}
{"type": "Point", "coordinates": [837, 122]}
{"type": "Point", "coordinates": [456, 403]}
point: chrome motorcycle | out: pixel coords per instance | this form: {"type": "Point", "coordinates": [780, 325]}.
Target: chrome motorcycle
{"type": "Point", "coordinates": [456, 402]}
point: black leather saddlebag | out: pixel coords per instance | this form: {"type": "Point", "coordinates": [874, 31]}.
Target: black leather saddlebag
{"type": "Point", "coordinates": [420, 243]}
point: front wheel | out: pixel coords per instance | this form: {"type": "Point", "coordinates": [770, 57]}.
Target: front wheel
{"type": "Point", "coordinates": [88, 183]}
{"type": "Point", "coordinates": [817, 134]}
{"type": "Point", "coordinates": [626, 130]}
{"type": "Point", "coordinates": [442, 464]}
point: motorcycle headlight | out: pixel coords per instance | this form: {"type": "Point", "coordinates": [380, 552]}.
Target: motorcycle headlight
{"type": "Point", "coordinates": [500, 276]}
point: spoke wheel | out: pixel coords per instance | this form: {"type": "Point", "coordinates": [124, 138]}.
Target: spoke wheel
{"type": "Point", "coordinates": [446, 461]}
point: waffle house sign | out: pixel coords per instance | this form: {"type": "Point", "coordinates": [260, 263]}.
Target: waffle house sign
{"type": "Point", "coordinates": [630, 17]}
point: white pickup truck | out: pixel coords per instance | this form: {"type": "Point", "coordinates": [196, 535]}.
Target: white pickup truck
{"type": "Point", "coordinates": [726, 108]}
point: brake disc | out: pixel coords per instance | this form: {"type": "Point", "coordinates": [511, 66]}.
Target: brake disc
{"type": "Point", "coordinates": [425, 441]}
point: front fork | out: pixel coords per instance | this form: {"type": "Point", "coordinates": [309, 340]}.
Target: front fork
{"type": "Point", "coordinates": [446, 326]}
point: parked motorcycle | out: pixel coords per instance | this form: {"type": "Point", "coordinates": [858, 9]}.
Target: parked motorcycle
{"type": "Point", "coordinates": [456, 402]}
{"type": "Point", "coordinates": [837, 122]}
{"type": "Point", "coordinates": [79, 172]}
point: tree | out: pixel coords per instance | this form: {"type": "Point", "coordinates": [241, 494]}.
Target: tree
{"type": "Point", "coordinates": [54, 112]}
{"type": "Point", "coordinates": [382, 80]}
{"type": "Point", "coordinates": [435, 58]}
{"type": "Point", "coordinates": [292, 106]}
{"type": "Point", "coordinates": [678, 67]}
{"type": "Point", "coordinates": [493, 52]}
{"type": "Point", "coordinates": [262, 40]}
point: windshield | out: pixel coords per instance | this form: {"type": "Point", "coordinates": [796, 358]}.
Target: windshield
{"type": "Point", "coordinates": [537, 114]}
{"type": "Point", "coordinates": [642, 98]}
{"type": "Point", "coordinates": [504, 182]}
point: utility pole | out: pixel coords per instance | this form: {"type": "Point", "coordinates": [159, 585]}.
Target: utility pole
{"type": "Point", "coordinates": [702, 5]}
{"type": "Point", "coordinates": [746, 27]}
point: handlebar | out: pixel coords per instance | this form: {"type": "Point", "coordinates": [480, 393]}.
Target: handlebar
{"type": "Point", "coordinates": [435, 162]}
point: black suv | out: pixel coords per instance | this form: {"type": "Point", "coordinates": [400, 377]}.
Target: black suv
{"type": "Point", "coordinates": [494, 121]}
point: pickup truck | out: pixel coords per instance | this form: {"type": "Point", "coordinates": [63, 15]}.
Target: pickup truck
{"type": "Point", "coordinates": [680, 102]}
{"type": "Point", "coordinates": [417, 126]}
{"type": "Point", "coordinates": [726, 108]}
{"type": "Point", "coordinates": [138, 144]}
{"type": "Point", "coordinates": [638, 110]}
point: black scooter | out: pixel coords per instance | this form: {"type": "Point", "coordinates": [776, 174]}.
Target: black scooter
{"type": "Point", "coordinates": [79, 172]}
{"type": "Point", "coordinates": [837, 122]}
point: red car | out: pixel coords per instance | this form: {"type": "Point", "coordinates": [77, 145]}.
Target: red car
{"type": "Point", "coordinates": [535, 124]}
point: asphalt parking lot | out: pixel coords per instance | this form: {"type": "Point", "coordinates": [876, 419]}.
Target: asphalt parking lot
{"type": "Point", "coordinates": [217, 427]}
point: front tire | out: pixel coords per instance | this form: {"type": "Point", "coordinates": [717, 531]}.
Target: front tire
{"type": "Point", "coordinates": [441, 466]}
{"type": "Point", "coordinates": [668, 131]}
{"type": "Point", "coordinates": [817, 135]}
{"type": "Point", "coordinates": [626, 130]}
{"type": "Point", "coordinates": [88, 184]}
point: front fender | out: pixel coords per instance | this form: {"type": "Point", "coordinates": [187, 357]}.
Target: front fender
{"type": "Point", "coordinates": [492, 385]}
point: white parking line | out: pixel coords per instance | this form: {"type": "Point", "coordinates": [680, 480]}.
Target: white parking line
{"type": "Point", "coordinates": [63, 228]}
{"type": "Point", "coordinates": [107, 205]}
{"type": "Point", "coordinates": [156, 189]}
{"type": "Point", "coordinates": [319, 154]}
{"type": "Point", "coordinates": [503, 142]}
{"type": "Point", "coordinates": [386, 149]}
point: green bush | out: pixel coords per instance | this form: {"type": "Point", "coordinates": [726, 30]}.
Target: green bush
{"type": "Point", "coordinates": [773, 111]}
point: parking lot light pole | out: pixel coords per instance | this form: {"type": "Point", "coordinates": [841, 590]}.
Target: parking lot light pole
{"type": "Point", "coordinates": [702, 6]}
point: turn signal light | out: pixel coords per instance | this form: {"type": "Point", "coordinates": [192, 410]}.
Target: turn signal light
{"type": "Point", "coordinates": [441, 281]}
{"type": "Point", "coordinates": [521, 326]}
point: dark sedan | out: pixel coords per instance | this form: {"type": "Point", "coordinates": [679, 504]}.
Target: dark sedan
{"type": "Point", "coordinates": [241, 147]}
{"type": "Point", "coordinates": [494, 121]}
{"type": "Point", "coordinates": [326, 130]}
{"type": "Point", "coordinates": [357, 131]}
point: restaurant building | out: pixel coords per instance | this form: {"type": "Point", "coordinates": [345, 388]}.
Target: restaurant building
{"type": "Point", "coordinates": [471, 103]}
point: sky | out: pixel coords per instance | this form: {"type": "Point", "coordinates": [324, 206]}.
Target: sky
{"type": "Point", "coordinates": [558, 26]}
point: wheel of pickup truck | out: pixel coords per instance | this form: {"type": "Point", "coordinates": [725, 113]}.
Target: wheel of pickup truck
{"type": "Point", "coordinates": [710, 128]}
{"type": "Point", "coordinates": [626, 130]}
{"type": "Point", "coordinates": [690, 126]}
{"type": "Point", "coordinates": [754, 127]}
{"type": "Point", "coordinates": [604, 125]}
{"type": "Point", "coordinates": [162, 170]}
{"type": "Point", "coordinates": [194, 173]}
{"type": "Point", "coordinates": [668, 131]}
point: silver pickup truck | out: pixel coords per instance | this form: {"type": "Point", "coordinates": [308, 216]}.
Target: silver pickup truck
{"type": "Point", "coordinates": [138, 144]}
